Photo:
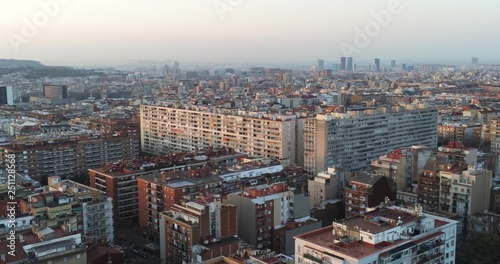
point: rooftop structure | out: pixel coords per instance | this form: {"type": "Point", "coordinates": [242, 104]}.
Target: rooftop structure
{"type": "Point", "coordinates": [386, 235]}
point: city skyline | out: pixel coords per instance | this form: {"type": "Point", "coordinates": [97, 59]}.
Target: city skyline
{"type": "Point", "coordinates": [58, 32]}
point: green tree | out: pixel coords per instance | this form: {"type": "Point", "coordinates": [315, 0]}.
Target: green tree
{"type": "Point", "coordinates": [482, 250]}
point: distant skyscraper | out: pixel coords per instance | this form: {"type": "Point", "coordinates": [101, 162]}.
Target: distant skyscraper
{"type": "Point", "coordinates": [376, 61]}
{"type": "Point", "coordinates": [342, 63]}
{"type": "Point", "coordinates": [403, 66]}
{"type": "Point", "coordinates": [175, 67]}
{"type": "Point", "coordinates": [393, 64]}
{"type": "Point", "coordinates": [349, 63]}
{"type": "Point", "coordinates": [167, 70]}
{"type": "Point", "coordinates": [335, 67]}
{"type": "Point", "coordinates": [475, 60]}
{"type": "Point", "coordinates": [321, 65]}
{"type": "Point", "coordinates": [6, 95]}
{"type": "Point", "coordinates": [355, 67]}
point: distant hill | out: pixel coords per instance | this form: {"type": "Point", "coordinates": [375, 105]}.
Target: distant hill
{"type": "Point", "coordinates": [11, 63]}
{"type": "Point", "coordinates": [31, 69]}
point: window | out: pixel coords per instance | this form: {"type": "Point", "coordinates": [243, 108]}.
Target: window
{"type": "Point", "coordinates": [78, 256]}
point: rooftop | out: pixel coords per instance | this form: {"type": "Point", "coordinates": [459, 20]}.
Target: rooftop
{"type": "Point", "coordinates": [371, 223]}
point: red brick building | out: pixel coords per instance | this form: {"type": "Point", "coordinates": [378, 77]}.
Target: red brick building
{"type": "Point", "coordinates": [160, 192]}
{"type": "Point", "coordinates": [199, 230]}
{"type": "Point", "coordinates": [365, 190]}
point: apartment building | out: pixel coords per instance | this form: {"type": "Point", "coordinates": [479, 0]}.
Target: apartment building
{"type": "Point", "coordinates": [96, 207]}
{"type": "Point", "coordinates": [428, 186]}
{"type": "Point", "coordinates": [258, 171]}
{"type": "Point", "coordinates": [328, 185]}
{"type": "Point", "coordinates": [403, 165]}
{"type": "Point", "coordinates": [120, 184]}
{"type": "Point", "coordinates": [465, 192]}
{"type": "Point", "coordinates": [263, 208]}
{"type": "Point", "coordinates": [73, 206]}
{"type": "Point", "coordinates": [460, 132]}
{"type": "Point", "coordinates": [455, 152]}
{"type": "Point", "coordinates": [283, 242]}
{"type": "Point", "coordinates": [387, 235]}
{"type": "Point", "coordinates": [65, 156]}
{"type": "Point", "coordinates": [395, 166]}
{"type": "Point", "coordinates": [352, 139]}
{"type": "Point", "coordinates": [199, 230]}
{"type": "Point", "coordinates": [363, 191]}
{"type": "Point", "coordinates": [160, 192]}
{"type": "Point", "coordinates": [119, 179]}
{"type": "Point", "coordinates": [482, 223]}
{"type": "Point", "coordinates": [184, 127]}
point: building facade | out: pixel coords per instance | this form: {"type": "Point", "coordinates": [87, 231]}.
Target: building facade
{"type": "Point", "coordinates": [195, 231]}
{"type": "Point", "coordinates": [363, 191]}
{"type": "Point", "coordinates": [169, 129]}
{"type": "Point", "coordinates": [353, 139]}
{"type": "Point", "coordinates": [264, 208]}
{"type": "Point", "coordinates": [67, 156]}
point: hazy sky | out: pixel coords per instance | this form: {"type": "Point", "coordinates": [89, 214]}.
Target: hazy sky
{"type": "Point", "coordinates": [112, 31]}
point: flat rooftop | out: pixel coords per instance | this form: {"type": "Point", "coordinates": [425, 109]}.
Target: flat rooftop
{"type": "Point", "coordinates": [359, 249]}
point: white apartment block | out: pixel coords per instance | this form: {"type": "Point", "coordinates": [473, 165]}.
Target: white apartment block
{"type": "Point", "coordinates": [98, 218]}
{"type": "Point", "coordinates": [465, 193]}
{"type": "Point", "coordinates": [97, 209]}
{"type": "Point", "coordinates": [185, 128]}
{"type": "Point", "coordinates": [351, 140]}
{"type": "Point", "coordinates": [390, 235]}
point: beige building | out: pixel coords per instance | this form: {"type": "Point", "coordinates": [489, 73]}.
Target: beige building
{"type": "Point", "coordinates": [465, 193]}
{"type": "Point", "coordinates": [183, 127]}
{"type": "Point", "coordinates": [325, 186]}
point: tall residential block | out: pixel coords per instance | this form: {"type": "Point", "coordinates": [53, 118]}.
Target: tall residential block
{"type": "Point", "coordinates": [181, 128]}
{"type": "Point", "coordinates": [351, 140]}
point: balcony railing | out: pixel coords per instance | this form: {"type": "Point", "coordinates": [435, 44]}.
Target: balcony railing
{"type": "Point", "coordinates": [313, 258]}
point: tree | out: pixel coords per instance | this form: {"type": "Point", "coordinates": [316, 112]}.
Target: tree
{"type": "Point", "coordinates": [483, 249]}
